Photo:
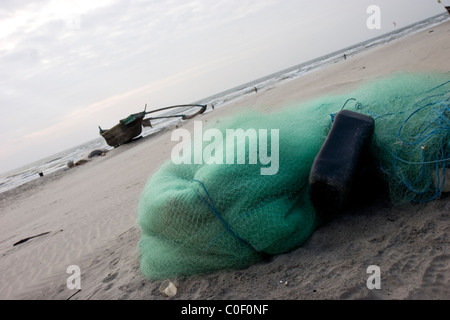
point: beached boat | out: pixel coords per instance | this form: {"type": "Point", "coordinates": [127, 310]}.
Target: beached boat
{"type": "Point", "coordinates": [131, 127]}
{"type": "Point", "coordinates": [446, 6]}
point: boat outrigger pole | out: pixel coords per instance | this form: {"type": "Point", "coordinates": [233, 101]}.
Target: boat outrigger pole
{"type": "Point", "coordinates": [202, 106]}
{"type": "Point", "coordinates": [183, 116]}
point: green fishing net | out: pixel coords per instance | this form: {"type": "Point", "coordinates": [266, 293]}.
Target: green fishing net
{"type": "Point", "coordinates": [199, 218]}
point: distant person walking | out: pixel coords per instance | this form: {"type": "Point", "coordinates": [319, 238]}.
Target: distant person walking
{"type": "Point", "coordinates": [345, 56]}
{"type": "Point", "coordinates": [256, 90]}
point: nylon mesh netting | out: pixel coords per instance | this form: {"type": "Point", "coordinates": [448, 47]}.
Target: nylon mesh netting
{"type": "Point", "coordinates": [198, 218]}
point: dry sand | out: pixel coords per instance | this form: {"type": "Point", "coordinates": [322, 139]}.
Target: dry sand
{"type": "Point", "coordinates": [90, 214]}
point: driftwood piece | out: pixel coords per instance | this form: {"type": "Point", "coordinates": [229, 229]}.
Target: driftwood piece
{"type": "Point", "coordinates": [29, 238]}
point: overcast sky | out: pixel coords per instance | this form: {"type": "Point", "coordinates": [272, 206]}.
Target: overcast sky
{"type": "Point", "coordinates": [68, 66]}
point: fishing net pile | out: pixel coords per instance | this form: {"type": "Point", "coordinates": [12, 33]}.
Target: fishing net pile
{"type": "Point", "coordinates": [200, 218]}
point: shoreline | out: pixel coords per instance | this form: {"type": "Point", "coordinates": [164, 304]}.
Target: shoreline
{"type": "Point", "coordinates": [89, 213]}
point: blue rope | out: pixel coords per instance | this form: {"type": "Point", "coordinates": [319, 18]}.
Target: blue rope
{"type": "Point", "coordinates": [211, 207]}
{"type": "Point", "coordinates": [439, 124]}
{"type": "Point", "coordinates": [358, 105]}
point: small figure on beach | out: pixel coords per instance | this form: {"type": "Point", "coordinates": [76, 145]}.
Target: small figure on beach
{"type": "Point", "coordinates": [256, 90]}
{"type": "Point", "coordinates": [345, 56]}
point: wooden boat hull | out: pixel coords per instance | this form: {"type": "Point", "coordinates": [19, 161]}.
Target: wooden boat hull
{"type": "Point", "coordinates": [123, 132]}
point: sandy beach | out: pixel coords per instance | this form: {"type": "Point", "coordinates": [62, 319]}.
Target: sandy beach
{"type": "Point", "coordinates": [86, 216]}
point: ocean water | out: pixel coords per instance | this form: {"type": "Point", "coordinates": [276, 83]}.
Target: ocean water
{"type": "Point", "coordinates": [59, 161]}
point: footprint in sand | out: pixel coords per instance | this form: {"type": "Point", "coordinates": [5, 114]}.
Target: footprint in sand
{"type": "Point", "coordinates": [435, 280]}
{"type": "Point", "coordinates": [110, 277]}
